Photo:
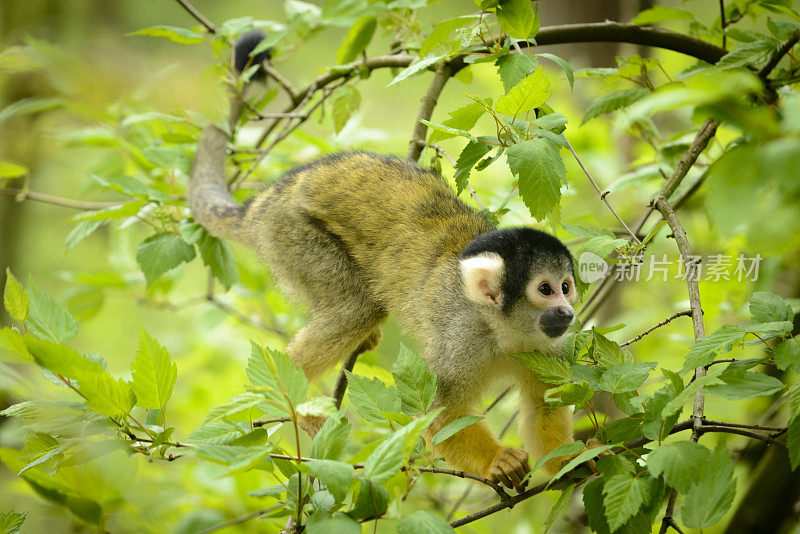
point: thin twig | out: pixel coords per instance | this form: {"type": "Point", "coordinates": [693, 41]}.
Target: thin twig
{"type": "Point", "coordinates": [278, 77]}
{"type": "Point", "coordinates": [243, 318]}
{"type": "Point", "coordinates": [197, 15]}
{"type": "Point", "coordinates": [723, 22]}
{"type": "Point", "coordinates": [741, 432]}
{"type": "Point", "coordinates": [603, 195]}
{"type": "Point", "coordinates": [57, 201]}
{"type": "Point", "coordinates": [443, 73]}
{"type": "Point", "coordinates": [765, 71]}
{"type": "Point", "coordinates": [739, 425]}
{"type": "Point", "coordinates": [662, 323]}
{"type": "Point", "coordinates": [265, 422]}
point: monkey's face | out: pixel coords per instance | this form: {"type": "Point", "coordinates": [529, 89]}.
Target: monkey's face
{"type": "Point", "coordinates": [527, 310]}
{"type": "Point", "coordinates": [552, 296]}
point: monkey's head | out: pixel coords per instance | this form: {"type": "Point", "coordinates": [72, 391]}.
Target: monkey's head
{"type": "Point", "coordinates": [524, 279]}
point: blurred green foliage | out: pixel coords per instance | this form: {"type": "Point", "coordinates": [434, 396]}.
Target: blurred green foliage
{"type": "Point", "coordinates": [102, 104]}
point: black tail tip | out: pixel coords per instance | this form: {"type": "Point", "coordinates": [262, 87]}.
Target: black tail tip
{"type": "Point", "coordinates": [244, 46]}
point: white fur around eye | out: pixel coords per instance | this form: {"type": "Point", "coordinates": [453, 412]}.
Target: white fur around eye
{"type": "Point", "coordinates": [482, 277]}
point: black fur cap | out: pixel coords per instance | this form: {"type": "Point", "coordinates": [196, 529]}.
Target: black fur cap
{"type": "Point", "coordinates": [246, 44]}
{"type": "Point", "coordinates": [524, 251]}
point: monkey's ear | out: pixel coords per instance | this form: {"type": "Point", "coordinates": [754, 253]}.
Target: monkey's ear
{"type": "Point", "coordinates": [482, 278]}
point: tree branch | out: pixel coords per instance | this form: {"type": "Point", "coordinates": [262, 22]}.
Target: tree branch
{"type": "Point", "coordinates": [603, 195]}
{"type": "Point", "coordinates": [615, 32]}
{"type": "Point", "coordinates": [768, 67]}
{"type": "Point", "coordinates": [197, 15]}
{"type": "Point", "coordinates": [57, 201]}
{"type": "Point", "coordinates": [444, 71]}
{"type": "Point", "coordinates": [662, 323]}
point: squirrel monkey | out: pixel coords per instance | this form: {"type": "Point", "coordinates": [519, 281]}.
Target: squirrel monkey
{"type": "Point", "coordinates": [360, 236]}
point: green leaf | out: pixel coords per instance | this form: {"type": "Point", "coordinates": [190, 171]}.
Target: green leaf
{"type": "Point", "coordinates": [518, 18]}
{"type": "Point", "coordinates": [12, 347]}
{"type": "Point", "coordinates": [561, 504]}
{"type": "Point", "coordinates": [154, 374]}
{"type": "Point", "coordinates": [625, 377]}
{"type": "Point", "coordinates": [320, 523]}
{"type": "Point", "coordinates": [624, 496]}
{"type": "Point", "coordinates": [450, 132]}
{"type": "Point", "coordinates": [10, 170]}
{"type": "Point", "coordinates": [29, 106]}
{"type": "Point", "coordinates": [372, 501]}
{"type": "Point", "coordinates": [561, 62]}
{"type": "Point", "coordinates": [46, 319]}
{"type": "Point", "coordinates": [793, 398]}
{"type": "Point", "coordinates": [568, 449]}
{"type": "Point", "coordinates": [161, 252]}
{"type": "Point", "coordinates": [454, 427]}
{"type": "Point", "coordinates": [768, 307]}
{"type": "Point", "coordinates": [787, 355]}
{"type": "Point", "coordinates": [416, 67]}
{"type": "Point", "coordinates": [107, 396]}
{"type": "Point", "coordinates": [554, 122]}
{"type": "Point", "coordinates": [461, 119]}
{"type": "Point", "coordinates": [61, 359]}
{"type": "Point", "coordinates": [129, 209]}
{"type": "Point", "coordinates": [234, 405]}
{"type": "Point", "coordinates": [571, 394]}
{"type": "Point", "coordinates": [541, 172]}
{"type": "Point", "coordinates": [81, 231]}
{"type": "Point", "coordinates": [423, 522]}
{"type": "Point", "coordinates": [612, 102]}
{"type": "Point", "coordinates": [442, 31]}
{"type": "Point", "coordinates": [793, 442]}
{"type": "Point", "coordinates": [415, 382]}
{"type": "Point", "coordinates": [739, 384]}
{"type": "Point", "coordinates": [345, 101]}
{"type": "Point", "coordinates": [712, 495]}
{"type": "Point", "coordinates": [655, 423]}
{"type": "Point", "coordinates": [472, 154]}
{"type": "Point", "coordinates": [679, 463]}
{"type": "Point", "coordinates": [237, 458]}
{"type": "Point", "coordinates": [528, 94]}
{"type": "Point", "coordinates": [357, 39]}
{"type": "Point", "coordinates": [754, 53]}
{"type": "Point", "coordinates": [595, 507]}
{"type": "Point", "coordinates": [217, 256]}
{"type": "Point", "coordinates": [660, 14]}
{"type": "Point", "coordinates": [10, 522]}
{"type": "Point", "coordinates": [548, 369]}
{"type": "Point", "coordinates": [371, 397]}
{"type": "Point", "coordinates": [704, 349]}
{"type": "Point", "coordinates": [585, 456]}
{"type": "Point", "coordinates": [335, 475]}
{"type": "Point", "coordinates": [331, 440]}
{"type": "Point", "coordinates": [15, 299]}
{"type": "Point", "coordinates": [269, 491]}
{"type": "Point", "coordinates": [216, 434]}
{"type": "Point", "coordinates": [174, 34]}
{"type": "Point", "coordinates": [272, 369]}
{"type": "Point", "coordinates": [677, 402]}
{"type": "Point", "coordinates": [513, 68]}
{"type": "Point", "coordinates": [388, 457]}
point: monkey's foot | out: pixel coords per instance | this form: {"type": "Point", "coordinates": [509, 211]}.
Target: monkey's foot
{"type": "Point", "coordinates": [509, 467]}
{"type": "Point", "coordinates": [311, 423]}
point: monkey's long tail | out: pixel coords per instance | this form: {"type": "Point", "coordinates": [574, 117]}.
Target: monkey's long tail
{"type": "Point", "coordinates": [209, 199]}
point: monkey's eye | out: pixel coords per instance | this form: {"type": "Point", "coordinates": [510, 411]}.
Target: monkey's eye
{"type": "Point", "coordinates": [564, 287]}
{"type": "Point", "coordinates": [545, 289]}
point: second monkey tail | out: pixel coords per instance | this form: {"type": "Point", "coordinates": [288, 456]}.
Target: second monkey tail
{"type": "Point", "coordinates": [209, 199]}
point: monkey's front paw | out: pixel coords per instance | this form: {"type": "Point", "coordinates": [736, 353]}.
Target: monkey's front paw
{"type": "Point", "coordinates": [311, 423]}
{"type": "Point", "coordinates": [509, 467]}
